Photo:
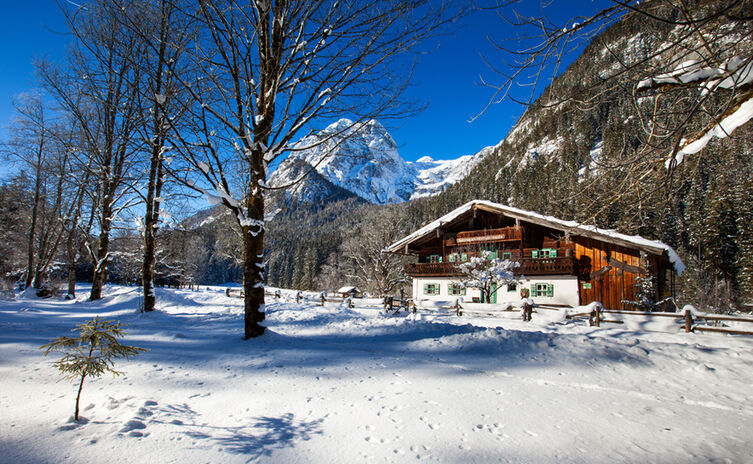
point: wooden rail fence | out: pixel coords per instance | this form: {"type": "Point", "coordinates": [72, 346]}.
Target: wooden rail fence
{"type": "Point", "coordinates": [687, 318]}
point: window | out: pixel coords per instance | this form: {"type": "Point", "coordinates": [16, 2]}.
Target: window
{"type": "Point", "coordinates": [506, 255]}
{"type": "Point", "coordinates": [492, 249]}
{"type": "Point", "coordinates": [457, 257]}
{"type": "Point", "coordinates": [512, 287]}
{"type": "Point", "coordinates": [434, 259]}
{"type": "Point", "coordinates": [456, 289]}
{"type": "Point", "coordinates": [431, 289]}
{"type": "Point", "coordinates": [544, 253]}
{"type": "Point", "coordinates": [539, 289]}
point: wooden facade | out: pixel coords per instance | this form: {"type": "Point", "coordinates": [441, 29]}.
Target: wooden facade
{"type": "Point", "coordinates": [607, 265]}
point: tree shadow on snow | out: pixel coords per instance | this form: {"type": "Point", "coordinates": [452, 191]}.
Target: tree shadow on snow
{"type": "Point", "coordinates": [262, 437]}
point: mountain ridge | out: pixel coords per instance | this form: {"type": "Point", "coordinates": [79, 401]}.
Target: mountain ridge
{"type": "Point", "coordinates": [363, 159]}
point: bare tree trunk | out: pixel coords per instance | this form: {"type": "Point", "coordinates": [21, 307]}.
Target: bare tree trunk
{"type": "Point", "coordinates": [34, 216]}
{"type": "Point", "coordinates": [253, 266]}
{"type": "Point", "coordinates": [100, 266]}
{"type": "Point", "coordinates": [159, 127]}
{"type": "Point", "coordinates": [71, 279]}
{"type": "Point", "coordinates": [150, 226]}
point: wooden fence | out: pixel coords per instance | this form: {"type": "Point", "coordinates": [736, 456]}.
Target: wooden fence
{"type": "Point", "coordinates": [687, 319]}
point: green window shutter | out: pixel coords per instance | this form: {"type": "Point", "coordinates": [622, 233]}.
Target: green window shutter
{"type": "Point", "coordinates": [535, 253]}
{"type": "Point", "coordinates": [452, 257]}
{"type": "Point", "coordinates": [553, 253]}
{"type": "Point", "coordinates": [464, 257]}
{"type": "Point", "coordinates": [426, 289]}
{"type": "Point", "coordinates": [533, 290]}
{"type": "Point", "coordinates": [550, 290]}
{"type": "Point", "coordinates": [439, 259]}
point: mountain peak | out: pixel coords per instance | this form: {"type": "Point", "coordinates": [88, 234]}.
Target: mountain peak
{"type": "Point", "coordinates": [363, 159]}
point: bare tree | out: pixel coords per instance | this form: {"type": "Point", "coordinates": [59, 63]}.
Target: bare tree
{"type": "Point", "coordinates": [163, 33]}
{"type": "Point", "coordinates": [268, 70]}
{"type": "Point", "coordinates": [365, 262]}
{"type": "Point", "coordinates": [29, 145]}
{"type": "Point", "coordinates": [99, 90]}
{"type": "Point", "coordinates": [693, 83]}
{"type": "Point", "coordinates": [44, 146]}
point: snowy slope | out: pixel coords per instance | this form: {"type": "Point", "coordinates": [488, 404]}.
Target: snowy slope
{"type": "Point", "coordinates": [335, 385]}
{"type": "Point", "coordinates": [364, 160]}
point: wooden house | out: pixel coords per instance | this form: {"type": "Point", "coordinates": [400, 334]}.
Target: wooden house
{"type": "Point", "coordinates": [561, 262]}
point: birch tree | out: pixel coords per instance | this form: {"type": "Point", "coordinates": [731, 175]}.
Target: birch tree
{"type": "Point", "coordinates": [267, 71]}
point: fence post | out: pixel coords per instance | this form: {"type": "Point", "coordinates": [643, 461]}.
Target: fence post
{"type": "Point", "coordinates": [595, 318]}
{"type": "Point", "coordinates": [527, 311]}
{"type": "Point", "coordinates": [458, 311]}
{"type": "Point", "coordinates": [227, 291]}
{"type": "Point", "coordinates": [688, 321]}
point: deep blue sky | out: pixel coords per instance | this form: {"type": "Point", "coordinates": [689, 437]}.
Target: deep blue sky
{"type": "Point", "coordinates": [445, 78]}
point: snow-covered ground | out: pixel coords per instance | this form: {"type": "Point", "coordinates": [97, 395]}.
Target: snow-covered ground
{"type": "Point", "coordinates": [337, 385]}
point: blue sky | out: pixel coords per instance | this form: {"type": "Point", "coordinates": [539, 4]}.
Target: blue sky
{"type": "Point", "coordinates": [445, 78]}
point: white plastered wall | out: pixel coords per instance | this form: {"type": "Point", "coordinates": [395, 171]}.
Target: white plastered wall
{"type": "Point", "coordinates": [565, 290]}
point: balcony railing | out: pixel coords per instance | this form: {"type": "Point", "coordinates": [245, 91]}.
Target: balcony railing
{"type": "Point", "coordinates": [564, 265]}
{"type": "Point", "coordinates": [431, 269]}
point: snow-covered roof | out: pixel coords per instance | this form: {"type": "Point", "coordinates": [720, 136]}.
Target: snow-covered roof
{"type": "Point", "coordinates": [607, 235]}
{"type": "Point", "coordinates": [349, 290]}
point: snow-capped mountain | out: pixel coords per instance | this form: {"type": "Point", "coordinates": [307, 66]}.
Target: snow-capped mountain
{"type": "Point", "coordinates": [364, 160]}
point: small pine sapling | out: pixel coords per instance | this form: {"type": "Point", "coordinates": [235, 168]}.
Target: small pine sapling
{"type": "Point", "coordinates": [92, 353]}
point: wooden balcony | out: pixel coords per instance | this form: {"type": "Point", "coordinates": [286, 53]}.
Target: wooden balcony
{"type": "Point", "coordinates": [505, 234]}
{"type": "Point", "coordinates": [431, 269]}
{"type": "Point", "coordinates": [564, 265]}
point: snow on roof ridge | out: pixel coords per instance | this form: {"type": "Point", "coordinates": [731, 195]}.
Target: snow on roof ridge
{"type": "Point", "coordinates": [637, 240]}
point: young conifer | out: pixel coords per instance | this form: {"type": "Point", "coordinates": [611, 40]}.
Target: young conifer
{"type": "Point", "coordinates": [92, 353]}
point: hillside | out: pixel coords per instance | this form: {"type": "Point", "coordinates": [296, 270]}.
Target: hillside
{"type": "Point", "coordinates": [582, 151]}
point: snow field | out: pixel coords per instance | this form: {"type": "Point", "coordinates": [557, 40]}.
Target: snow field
{"type": "Point", "coordinates": [332, 384]}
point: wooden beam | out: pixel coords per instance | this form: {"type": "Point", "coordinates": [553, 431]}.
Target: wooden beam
{"type": "Point", "coordinates": [599, 273]}
{"type": "Point", "coordinates": [626, 267]}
